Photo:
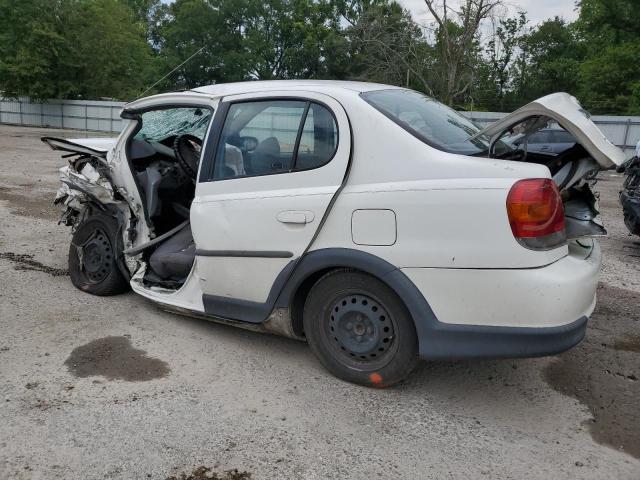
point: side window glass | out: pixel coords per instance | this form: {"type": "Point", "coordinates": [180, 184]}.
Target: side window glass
{"type": "Point", "coordinates": [258, 138]}
{"type": "Point", "coordinates": [319, 138]}
{"type": "Point", "coordinates": [562, 136]}
{"type": "Point", "coordinates": [539, 137]}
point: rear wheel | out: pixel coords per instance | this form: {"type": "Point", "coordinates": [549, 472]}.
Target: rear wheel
{"type": "Point", "coordinates": [93, 266]}
{"type": "Point", "coordinates": [359, 329]}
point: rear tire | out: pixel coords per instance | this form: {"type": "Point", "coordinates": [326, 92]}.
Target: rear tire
{"type": "Point", "coordinates": [359, 329]}
{"type": "Point", "coordinates": [93, 266]}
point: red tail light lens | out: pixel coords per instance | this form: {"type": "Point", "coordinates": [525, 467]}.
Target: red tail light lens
{"type": "Point", "coordinates": [536, 213]}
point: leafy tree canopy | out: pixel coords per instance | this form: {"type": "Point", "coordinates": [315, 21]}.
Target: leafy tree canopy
{"type": "Point", "coordinates": [469, 56]}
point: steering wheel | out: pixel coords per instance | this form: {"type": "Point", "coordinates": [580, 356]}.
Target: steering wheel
{"type": "Point", "coordinates": [187, 149]}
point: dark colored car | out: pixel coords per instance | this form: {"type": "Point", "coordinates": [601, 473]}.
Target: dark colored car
{"type": "Point", "coordinates": [548, 140]}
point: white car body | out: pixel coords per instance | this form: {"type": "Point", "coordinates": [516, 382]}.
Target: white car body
{"type": "Point", "coordinates": [430, 224]}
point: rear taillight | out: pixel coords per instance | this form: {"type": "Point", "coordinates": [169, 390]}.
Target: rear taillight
{"type": "Point", "coordinates": [536, 213]}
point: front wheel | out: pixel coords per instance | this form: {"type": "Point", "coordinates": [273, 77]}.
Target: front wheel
{"type": "Point", "coordinates": [359, 329]}
{"type": "Point", "coordinates": [93, 264]}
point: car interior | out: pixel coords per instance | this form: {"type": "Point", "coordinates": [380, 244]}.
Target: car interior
{"type": "Point", "coordinates": [520, 143]}
{"type": "Point", "coordinates": [258, 138]}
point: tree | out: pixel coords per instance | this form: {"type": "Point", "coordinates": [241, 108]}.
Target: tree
{"type": "Point", "coordinates": [609, 75]}
{"type": "Point", "coordinates": [249, 39]}
{"type": "Point", "coordinates": [551, 55]}
{"type": "Point", "coordinates": [499, 69]}
{"type": "Point", "coordinates": [57, 49]}
{"type": "Point", "coordinates": [187, 26]}
{"type": "Point", "coordinates": [33, 50]}
{"type": "Point", "coordinates": [388, 47]}
{"type": "Point", "coordinates": [457, 43]}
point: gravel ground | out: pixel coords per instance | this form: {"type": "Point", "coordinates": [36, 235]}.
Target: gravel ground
{"type": "Point", "coordinates": [115, 388]}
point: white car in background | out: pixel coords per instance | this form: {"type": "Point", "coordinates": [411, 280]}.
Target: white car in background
{"type": "Point", "coordinates": [370, 220]}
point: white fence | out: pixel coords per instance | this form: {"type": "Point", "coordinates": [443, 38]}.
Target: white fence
{"type": "Point", "coordinates": [105, 117]}
{"type": "Point", "coordinates": [75, 114]}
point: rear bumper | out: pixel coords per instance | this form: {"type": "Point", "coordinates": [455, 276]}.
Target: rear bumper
{"type": "Point", "coordinates": [477, 341]}
{"type": "Point", "coordinates": [505, 313]}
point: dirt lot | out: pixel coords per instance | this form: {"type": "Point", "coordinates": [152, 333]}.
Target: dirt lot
{"type": "Point", "coordinates": [114, 388]}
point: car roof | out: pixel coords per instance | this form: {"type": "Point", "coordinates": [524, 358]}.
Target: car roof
{"type": "Point", "coordinates": [265, 85]}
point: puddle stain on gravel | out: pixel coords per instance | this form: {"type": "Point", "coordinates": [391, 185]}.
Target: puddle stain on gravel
{"type": "Point", "coordinates": [602, 371]}
{"type": "Point", "coordinates": [206, 473]}
{"type": "Point", "coordinates": [629, 344]}
{"type": "Point", "coordinates": [23, 261]}
{"type": "Point", "coordinates": [115, 358]}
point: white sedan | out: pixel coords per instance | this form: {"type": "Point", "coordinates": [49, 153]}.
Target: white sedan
{"type": "Point", "coordinates": [371, 221]}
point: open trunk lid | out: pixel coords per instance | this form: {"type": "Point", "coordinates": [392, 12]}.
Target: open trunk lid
{"type": "Point", "coordinates": [569, 114]}
{"type": "Point", "coordinates": [573, 170]}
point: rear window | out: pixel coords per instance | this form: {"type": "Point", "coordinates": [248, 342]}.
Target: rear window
{"type": "Point", "coordinates": [429, 120]}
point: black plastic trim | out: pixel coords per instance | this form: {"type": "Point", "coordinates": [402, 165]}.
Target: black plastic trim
{"type": "Point", "coordinates": [244, 253]}
{"type": "Point", "coordinates": [244, 310]}
{"type": "Point", "coordinates": [438, 340]}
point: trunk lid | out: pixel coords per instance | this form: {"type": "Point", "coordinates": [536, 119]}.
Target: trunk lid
{"type": "Point", "coordinates": [573, 170]}
{"type": "Point", "coordinates": [569, 114]}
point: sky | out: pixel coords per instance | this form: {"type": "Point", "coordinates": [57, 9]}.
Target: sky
{"type": "Point", "coordinates": [537, 10]}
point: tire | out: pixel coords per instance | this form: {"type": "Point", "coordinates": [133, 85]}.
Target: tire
{"type": "Point", "coordinates": [359, 329]}
{"type": "Point", "coordinates": [92, 257]}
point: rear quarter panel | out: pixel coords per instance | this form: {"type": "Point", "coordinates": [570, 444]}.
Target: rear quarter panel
{"type": "Point", "coordinates": [450, 209]}
{"type": "Point", "coordinates": [440, 224]}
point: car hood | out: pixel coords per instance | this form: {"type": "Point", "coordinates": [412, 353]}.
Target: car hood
{"type": "Point", "coordinates": [98, 146]}
{"type": "Point", "coordinates": [567, 111]}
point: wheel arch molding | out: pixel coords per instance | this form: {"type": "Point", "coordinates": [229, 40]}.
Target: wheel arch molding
{"type": "Point", "coordinates": [436, 340]}
{"type": "Point", "coordinates": [317, 262]}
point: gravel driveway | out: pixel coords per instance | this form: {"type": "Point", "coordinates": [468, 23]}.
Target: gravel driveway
{"type": "Point", "coordinates": [94, 388]}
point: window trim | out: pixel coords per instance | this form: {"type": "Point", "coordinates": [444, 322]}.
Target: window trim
{"type": "Point", "coordinates": [135, 115]}
{"type": "Point", "coordinates": [208, 161]}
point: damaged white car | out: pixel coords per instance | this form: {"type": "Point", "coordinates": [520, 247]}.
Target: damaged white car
{"type": "Point", "coordinates": [371, 221]}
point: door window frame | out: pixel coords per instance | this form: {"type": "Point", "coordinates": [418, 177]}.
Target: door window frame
{"type": "Point", "coordinates": [129, 133]}
{"type": "Point", "coordinates": [210, 151]}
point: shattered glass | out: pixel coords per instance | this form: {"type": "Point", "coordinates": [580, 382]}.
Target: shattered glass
{"type": "Point", "coordinates": [160, 124]}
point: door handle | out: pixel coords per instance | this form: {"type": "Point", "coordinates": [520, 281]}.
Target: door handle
{"type": "Point", "coordinates": [299, 217]}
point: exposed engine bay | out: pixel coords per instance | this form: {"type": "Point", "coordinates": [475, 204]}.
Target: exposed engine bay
{"type": "Point", "coordinates": [163, 154]}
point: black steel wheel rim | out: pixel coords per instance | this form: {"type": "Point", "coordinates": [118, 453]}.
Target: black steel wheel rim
{"type": "Point", "coordinates": [96, 257]}
{"type": "Point", "coordinates": [360, 330]}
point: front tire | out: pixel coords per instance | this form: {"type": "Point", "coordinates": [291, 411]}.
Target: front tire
{"type": "Point", "coordinates": [93, 254]}
{"type": "Point", "coordinates": [359, 329]}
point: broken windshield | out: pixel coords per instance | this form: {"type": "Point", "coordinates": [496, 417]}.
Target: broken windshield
{"type": "Point", "coordinates": [158, 125]}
